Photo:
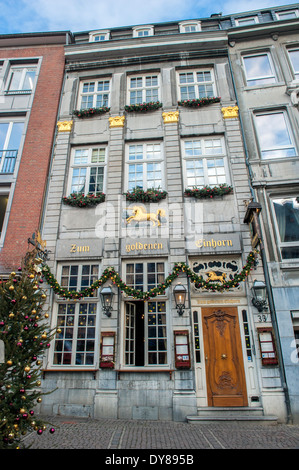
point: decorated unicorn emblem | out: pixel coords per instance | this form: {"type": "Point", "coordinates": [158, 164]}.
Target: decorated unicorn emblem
{"type": "Point", "coordinates": [140, 215]}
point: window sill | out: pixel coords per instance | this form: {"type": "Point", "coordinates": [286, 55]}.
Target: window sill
{"type": "Point", "coordinates": [262, 87]}
{"type": "Point", "coordinates": [144, 370]}
{"type": "Point", "coordinates": [71, 369]}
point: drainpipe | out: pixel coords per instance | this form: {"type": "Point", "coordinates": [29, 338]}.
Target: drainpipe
{"type": "Point", "coordinates": [266, 271]}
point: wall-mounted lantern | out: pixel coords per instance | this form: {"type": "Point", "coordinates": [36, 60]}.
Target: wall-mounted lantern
{"type": "Point", "coordinates": [106, 297]}
{"type": "Point", "coordinates": [259, 293]}
{"type": "Point", "coordinates": [179, 293]}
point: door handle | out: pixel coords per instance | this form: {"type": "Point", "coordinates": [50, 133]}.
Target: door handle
{"type": "Point", "coordinates": [223, 356]}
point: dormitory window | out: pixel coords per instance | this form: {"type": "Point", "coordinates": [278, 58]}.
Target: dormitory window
{"type": "Point", "coordinates": [246, 21]}
{"type": "Point", "coordinates": [88, 170]}
{"type": "Point", "coordinates": [98, 36]}
{"type": "Point", "coordinates": [143, 31]}
{"type": "Point", "coordinates": [259, 69]}
{"type": "Point", "coordinates": [94, 94]}
{"type": "Point", "coordinates": [204, 162]}
{"type": "Point", "coordinates": [196, 85]}
{"type": "Point", "coordinates": [144, 165]}
{"type": "Point", "coordinates": [287, 220]}
{"type": "Point", "coordinates": [274, 135]}
{"type": "Point", "coordinates": [143, 89]}
{"type": "Point", "coordinates": [75, 343]}
{"type": "Point", "coordinates": [190, 26]}
{"type": "Point", "coordinates": [287, 15]}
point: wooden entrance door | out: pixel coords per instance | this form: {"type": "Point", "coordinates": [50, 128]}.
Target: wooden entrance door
{"type": "Point", "coordinates": [224, 359]}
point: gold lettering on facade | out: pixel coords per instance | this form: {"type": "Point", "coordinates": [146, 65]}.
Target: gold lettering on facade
{"type": "Point", "coordinates": [212, 243]}
{"type": "Point", "coordinates": [79, 249]}
{"type": "Point", "coordinates": [143, 246]}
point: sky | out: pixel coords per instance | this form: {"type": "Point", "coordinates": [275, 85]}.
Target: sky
{"type": "Point", "coordinates": [24, 16]}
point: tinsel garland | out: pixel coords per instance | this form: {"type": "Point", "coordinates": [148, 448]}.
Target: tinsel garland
{"type": "Point", "coordinates": [110, 273]}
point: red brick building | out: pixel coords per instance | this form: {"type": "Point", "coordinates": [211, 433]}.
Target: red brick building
{"type": "Point", "coordinates": [31, 77]}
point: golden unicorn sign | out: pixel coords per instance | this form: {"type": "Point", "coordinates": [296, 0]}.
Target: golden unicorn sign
{"type": "Point", "coordinates": [140, 215]}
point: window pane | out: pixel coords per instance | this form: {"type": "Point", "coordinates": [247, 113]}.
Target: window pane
{"type": "Point", "coordinates": [29, 80]}
{"type": "Point", "coordinates": [294, 56]}
{"type": "Point", "coordinates": [81, 157]}
{"type": "Point", "coordinates": [98, 155]}
{"type": "Point", "coordinates": [287, 217]}
{"type": "Point", "coordinates": [259, 70]}
{"type": "Point", "coordinates": [274, 136]}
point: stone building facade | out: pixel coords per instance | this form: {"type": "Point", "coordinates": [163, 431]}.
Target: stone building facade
{"type": "Point", "coordinates": [264, 58]}
{"type": "Point", "coordinates": [147, 358]}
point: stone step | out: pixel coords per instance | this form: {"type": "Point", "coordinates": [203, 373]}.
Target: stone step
{"type": "Point", "coordinates": [245, 414]}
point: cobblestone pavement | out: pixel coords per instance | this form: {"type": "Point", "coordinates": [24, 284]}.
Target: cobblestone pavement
{"type": "Point", "coordinates": [113, 434]}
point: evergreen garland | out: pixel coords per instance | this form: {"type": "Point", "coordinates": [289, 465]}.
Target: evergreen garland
{"type": "Point", "coordinates": [82, 200]}
{"type": "Point", "coordinates": [208, 191]}
{"type": "Point", "coordinates": [81, 113]}
{"type": "Point", "coordinates": [152, 105]}
{"type": "Point", "coordinates": [110, 273]}
{"type": "Point", "coordinates": [149, 195]}
{"type": "Point", "coordinates": [199, 102]}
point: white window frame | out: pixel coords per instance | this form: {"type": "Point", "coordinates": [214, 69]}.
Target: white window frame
{"type": "Point", "coordinates": [281, 148]}
{"type": "Point", "coordinates": [192, 81]}
{"type": "Point", "coordinates": [24, 70]}
{"type": "Point", "coordinates": [206, 156]}
{"type": "Point", "coordinates": [93, 94]}
{"type": "Point", "coordinates": [259, 79]}
{"type": "Point", "coordinates": [144, 161]}
{"type": "Point", "coordinates": [99, 36]}
{"type": "Point", "coordinates": [192, 26]}
{"type": "Point", "coordinates": [74, 335]}
{"type": "Point", "coordinates": [4, 154]}
{"type": "Point", "coordinates": [143, 31]}
{"type": "Point", "coordinates": [88, 165]}
{"type": "Point", "coordinates": [146, 305]}
{"type": "Point", "coordinates": [241, 21]}
{"type": "Point", "coordinates": [287, 12]}
{"type": "Point", "coordinates": [142, 79]}
{"type": "Point", "coordinates": [4, 191]}
{"type": "Point", "coordinates": [281, 243]}
{"type": "Point", "coordinates": [294, 71]}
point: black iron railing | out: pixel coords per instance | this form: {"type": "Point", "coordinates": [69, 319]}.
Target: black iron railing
{"type": "Point", "coordinates": [7, 161]}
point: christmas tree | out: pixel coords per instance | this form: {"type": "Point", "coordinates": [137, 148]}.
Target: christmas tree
{"type": "Point", "coordinates": [25, 333]}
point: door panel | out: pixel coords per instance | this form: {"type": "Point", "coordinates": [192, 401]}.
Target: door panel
{"type": "Point", "coordinates": [225, 375]}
